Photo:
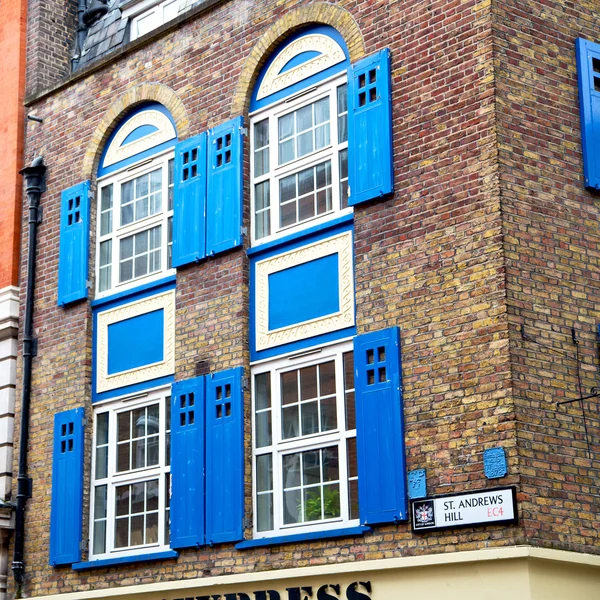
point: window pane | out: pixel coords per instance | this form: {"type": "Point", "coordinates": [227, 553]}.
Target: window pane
{"type": "Point", "coordinates": [99, 537]}
{"type": "Point", "coordinates": [264, 512]}
{"type": "Point", "coordinates": [106, 203]}
{"type": "Point", "coordinates": [322, 111]}
{"type": "Point", "coordinates": [102, 462]}
{"type": "Point", "coordinates": [127, 247]}
{"type": "Point", "coordinates": [287, 189]}
{"type": "Point", "coordinates": [308, 383]}
{"type": "Point", "coordinates": [100, 502]}
{"type": "Point", "coordinates": [263, 429]}
{"type": "Point", "coordinates": [126, 270]}
{"type": "Point", "coordinates": [327, 378]}
{"type": "Point", "coordinates": [123, 457]}
{"type": "Point", "coordinates": [102, 428]}
{"type": "Point", "coordinates": [264, 473]}
{"type": "Point", "coordinates": [310, 418]}
{"type": "Point", "coordinates": [262, 203]}
{"type": "Point", "coordinates": [261, 149]}
{"type": "Point", "coordinates": [297, 194]}
{"type": "Point", "coordinates": [127, 203]}
{"type": "Point", "coordinates": [315, 496]}
{"type": "Point", "coordinates": [291, 470]}
{"type": "Point", "coordinates": [292, 507]}
{"type": "Point", "coordinates": [152, 528]}
{"type": "Point", "coordinates": [289, 387]}
{"type": "Point", "coordinates": [305, 130]}
{"type": "Point", "coordinates": [262, 391]}
{"type": "Point", "coordinates": [304, 118]}
{"type": "Point", "coordinates": [305, 143]}
{"type": "Point", "coordinates": [289, 422]}
{"type": "Point", "coordinates": [286, 126]}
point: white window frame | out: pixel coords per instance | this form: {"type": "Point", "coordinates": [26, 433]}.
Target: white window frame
{"type": "Point", "coordinates": [161, 471]}
{"type": "Point", "coordinates": [280, 447]}
{"type": "Point", "coordinates": [118, 232]}
{"type": "Point", "coordinates": [147, 10]}
{"type": "Point", "coordinates": [327, 88]}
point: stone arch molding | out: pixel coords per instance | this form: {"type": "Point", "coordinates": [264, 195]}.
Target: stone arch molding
{"type": "Point", "coordinates": [320, 13]}
{"type": "Point", "coordinates": [145, 92]}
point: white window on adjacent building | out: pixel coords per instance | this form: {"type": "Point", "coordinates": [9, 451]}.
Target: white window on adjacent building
{"type": "Point", "coordinates": [152, 16]}
{"type": "Point", "coordinates": [299, 165]}
{"type": "Point", "coordinates": [305, 465]}
{"type": "Point", "coordinates": [131, 477]}
{"type": "Point", "coordinates": [135, 212]}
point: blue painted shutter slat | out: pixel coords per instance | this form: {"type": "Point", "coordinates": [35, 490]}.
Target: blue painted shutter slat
{"type": "Point", "coordinates": [588, 74]}
{"type": "Point", "coordinates": [67, 488]}
{"type": "Point", "coordinates": [370, 154]}
{"type": "Point", "coordinates": [224, 457]}
{"type": "Point", "coordinates": [224, 197]}
{"type": "Point", "coordinates": [187, 463]}
{"type": "Point", "coordinates": [74, 243]}
{"type": "Point", "coordinates": [189, 201]}
{"type": "Point", "coordinates": [380, 427]}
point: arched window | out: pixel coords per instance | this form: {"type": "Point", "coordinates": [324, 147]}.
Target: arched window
{"type": "Point", "coordinates": [299, 135]}
{"type": "Point", "coordinates": [320, 133]}
{"type": "Point", "coordinates": [135, 200]}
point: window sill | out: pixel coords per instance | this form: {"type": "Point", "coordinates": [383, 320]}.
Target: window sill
{"type": "Point", "coordinates": [303, 537]}
{"type": "Point", "coordinates": [140, 289]}
{"type": "Point", "coordinates": [300, 234]}
{"type": "Point", "coordinates": [125, 560]}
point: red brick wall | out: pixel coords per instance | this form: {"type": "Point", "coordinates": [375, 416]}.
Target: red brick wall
{"type": "Point", "coordinates": [12, 75]}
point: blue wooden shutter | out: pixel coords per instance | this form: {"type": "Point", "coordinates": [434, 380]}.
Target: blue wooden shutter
{"type": "Point", "coordinates": [224, 457]}
{"type": "Point", "coordinates": [224, 197]}
{"type": "Point", "coordinates": [189, 201]}
{"type": "Point", "coordinates": [380, 427]}
{"type": "Point", "coordinates": [588, 72]}
{"type": "Point", "coordinates": [187, 463]}
{"type": "Point", "coordinates": [370, 154]}
{"type": "Point", "coordinates": [67, 488]}
{"type": "Point", "coordinates": [74, 244]}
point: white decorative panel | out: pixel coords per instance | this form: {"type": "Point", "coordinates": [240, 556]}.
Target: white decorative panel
{"type": "Point", "coordinates": [330, 53]}
{"type": "Point", "coordinates": [342, 246]}
{"type": "Point", "coordinates": [165, 132]}
{"type": "Point", "coordinates": [106, 381]}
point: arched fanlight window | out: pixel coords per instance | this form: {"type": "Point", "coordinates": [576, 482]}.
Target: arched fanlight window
{"type": "Point", "coordinates": [135, 200]}
{"type": "Point", "coordinates": [299, 135]}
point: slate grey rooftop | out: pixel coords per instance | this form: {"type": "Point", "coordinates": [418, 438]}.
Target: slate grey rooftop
{"type": "Point", "coordinates": [108, 34]}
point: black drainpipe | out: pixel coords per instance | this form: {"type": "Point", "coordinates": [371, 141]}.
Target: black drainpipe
{"type": "Point", "coordinates": [81, 34]}
{"type": "Point", "coordinates": [34, 180]}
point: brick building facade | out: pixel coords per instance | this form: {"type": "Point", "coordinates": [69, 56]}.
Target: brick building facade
{"type": "Point", "coordinates": [468, 240]}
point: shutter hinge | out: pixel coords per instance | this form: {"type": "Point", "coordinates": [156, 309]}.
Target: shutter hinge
{"type": "Point", "coordinates": [244, 130]}
{"type": "Point", "coordinates": [83, 545]}
{"type": "Point", "coordinates": [349, 192]}
{"type": "Point", "coordinates": [244, 231]}
{"type": "Point", "coordinates": [245, 383]}
{"type": "Point", "coordinates": [246, 523]}
{"type": "Point", "coordinates": [84, 421]}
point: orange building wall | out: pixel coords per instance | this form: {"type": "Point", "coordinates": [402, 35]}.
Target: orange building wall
{"type": "Point", "coordinates": [12, 85]}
